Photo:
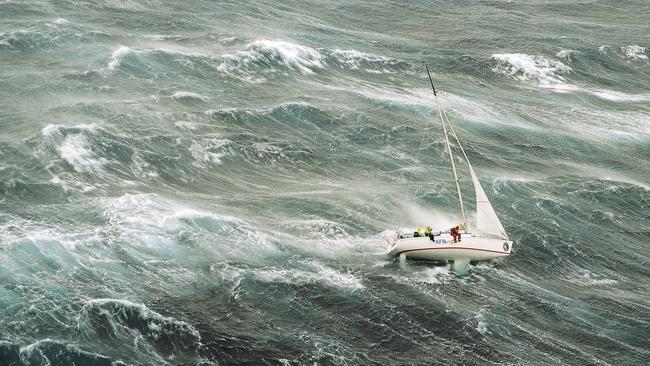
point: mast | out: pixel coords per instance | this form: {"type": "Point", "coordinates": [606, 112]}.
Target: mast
{"type": "Point", "coordinates": [448, 145]}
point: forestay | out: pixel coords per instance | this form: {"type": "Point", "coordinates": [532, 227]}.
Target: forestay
{"type": "Point", "coordinates": [487, 221]}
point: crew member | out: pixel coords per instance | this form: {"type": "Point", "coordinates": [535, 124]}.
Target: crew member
{"type": "Point", "coordinates": [455, 232]}
{"type": "Point", "coordinates": [427, 232]}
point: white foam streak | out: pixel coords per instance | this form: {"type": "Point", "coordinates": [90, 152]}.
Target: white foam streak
{"type": "Point", "coordinates": [209, 150]}
{"type": "Point", "coordinates": [634, 52]}
{"type": "Point", "coordinates": [319, 274]}
{"type": "Point", "coordinates": [186, 125]}
{"type": "Point", "coordinates": [616, 96]}
{"type": "Point", "coordinates": [53, 129]}
{"type": "Point", "coordinates": [75, 151]}
{"type": "Point", "coordinates": [188, 95]}
{"type": "Point", "coordinates": [566, 54]}
{"type": "Point", "coordinates": [149, 221]}
{"type": "Point", "coordinates": [353, 59]}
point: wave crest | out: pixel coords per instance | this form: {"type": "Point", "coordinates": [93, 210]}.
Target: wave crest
{"type": "Point", "coordinates": [524, 67]}
{"type": "Point", "coordinates": [120, 320]}
{"type": "Point", "coordinates": [271, 53]}
{"type": "Point", "coordinates": [354, 60]}
{"type": "Point", "coordinates": [634, 52]}
{"type": "Point", "coordinates": [271, 56]}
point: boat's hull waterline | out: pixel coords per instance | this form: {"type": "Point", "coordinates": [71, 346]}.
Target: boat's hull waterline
{"type": "Point", "coordinates": [443, 248]}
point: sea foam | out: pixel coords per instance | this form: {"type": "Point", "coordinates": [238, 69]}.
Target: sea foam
{"type": "Point", "coordinates": [76, 152]}
{"type": "Point", "coordinates": [634, 52]}
{"type": "Point", "coordinates": [185, 95]}
{"type": "Point", "coordinates": [117, 57]}
{"type": "Point", "coordinates": [524, 67]}
{"type": "Point", "coordinates": [270, 56]}
{"type": "Point", "coordinates": [372, 63]}
{"type": "Point", "coordinates": [547, 73]}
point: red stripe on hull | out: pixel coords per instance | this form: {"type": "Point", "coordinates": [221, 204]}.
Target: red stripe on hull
{"type": "Point", "coordinates": [480, 250]}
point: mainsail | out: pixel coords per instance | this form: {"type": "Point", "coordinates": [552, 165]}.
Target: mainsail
{"type": "Point", "coordinates": [487, 221]}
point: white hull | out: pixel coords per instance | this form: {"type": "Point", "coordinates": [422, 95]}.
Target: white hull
{"type": "Point", "coordinates": [444, 249]}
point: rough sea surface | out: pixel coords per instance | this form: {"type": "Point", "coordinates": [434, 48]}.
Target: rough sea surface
{"type": "Point", "coordinates": [207, 182]}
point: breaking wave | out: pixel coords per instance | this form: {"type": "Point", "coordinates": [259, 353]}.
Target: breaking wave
{"type": "Point", "coordinates": [263, 58]}
{"type": "Point", "coordinates": [270, 54]}
{"type": "Point", "coordinates": [538, 69]}
{"type": "Point", "coordinates": [125, 322]}
{"type": "Point", "coordinates": [551, 74]}
{"type": "Point", "coordinates": [634, 52]}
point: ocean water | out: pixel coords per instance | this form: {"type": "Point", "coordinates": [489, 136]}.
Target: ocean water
{"type": "Point", "coordinates": [208, 182]}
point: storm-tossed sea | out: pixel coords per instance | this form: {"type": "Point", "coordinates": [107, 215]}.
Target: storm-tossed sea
{"type": "Point", "coordinates": [210, 182]}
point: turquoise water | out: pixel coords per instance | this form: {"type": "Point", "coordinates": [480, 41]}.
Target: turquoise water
{"type": "Point", "coordinates": [207, 183]}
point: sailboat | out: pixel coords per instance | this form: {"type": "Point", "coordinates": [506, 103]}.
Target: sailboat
{"type": "Point", "coordinates": [484, 240]}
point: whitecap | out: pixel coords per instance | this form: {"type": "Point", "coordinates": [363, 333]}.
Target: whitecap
{"type": "Point", "coordinates": [61, 21]}
{"type": "Point", "coordinates": [269, 52]}
{"type": "Point", "coordinates": [634, 52]}
{"type": "Point", "coordinates": [585, 277]}
{"type": "Point", "coordinates": [162, 37]}
{"type": "Point", "coordinates": [209, 150]}
{"type": "Point", "coordinates": [76, 152]}
{"type": "Point", "coordinates": [546, 73]}
{"type": "Point", "coordinates": [118, 55]}
{"type": "Point", "coordinates": [566, 54]}
{"type": "Point", "coordinates": [354, 59]}
{"type": "Point", "coordinates": [224, 40]}
{"type": "Point", "coordinates": [4, 39]}
{"type": "Point", "coordinates": [186, 125]}
{"type": "Point", "coordinates": [52, 129]}
{"type": "Point", "coordinates": [481, 323]}
{"type": "Point", "coordinates": [135, 320]}
{"type": "Point", "coordinates": [180, 95]}
{"type": "Point", "coordinates": [141, 168]}
{"type": "Point", "coordinates": [149, 221]}
{"type": "Point", "coordinates": [525, 67]}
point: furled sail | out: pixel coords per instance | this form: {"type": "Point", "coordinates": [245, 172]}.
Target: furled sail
{"type": "Point", "coordinates": [487, 222]}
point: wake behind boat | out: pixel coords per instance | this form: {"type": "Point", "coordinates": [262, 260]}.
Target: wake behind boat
{"type": "Point", "coordinates": [485, 240]}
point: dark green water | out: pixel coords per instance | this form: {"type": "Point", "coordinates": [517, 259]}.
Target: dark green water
{"type": "Point", "coordinates": [207, 183]}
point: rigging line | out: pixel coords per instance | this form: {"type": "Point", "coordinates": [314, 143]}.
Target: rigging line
{"type": "Point", "coordinates": [451, 127]}
{"type": "Point", "coordinates": [424, 137]}
{"type": "Point", "coordinates": [451, 155]}
{"type": "Point", "coordinates": [417, 157]}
